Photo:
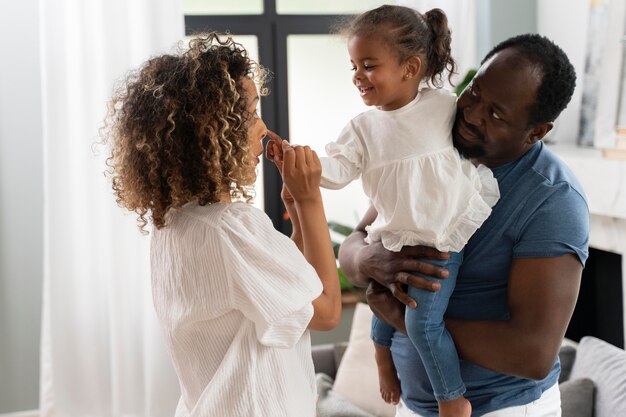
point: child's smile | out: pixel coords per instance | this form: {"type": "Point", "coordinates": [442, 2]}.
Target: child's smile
{"type": "Point", "coordinates": [364, 90]}
{"type": "Point", "coordinates": [380, 77]}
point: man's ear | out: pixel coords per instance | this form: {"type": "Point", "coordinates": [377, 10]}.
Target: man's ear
{"type": "Point", "coordinates": [539, 131]}
{"type": "Point", "coordinates": [413, 67]}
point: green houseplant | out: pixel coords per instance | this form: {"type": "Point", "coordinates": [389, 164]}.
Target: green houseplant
{"type": "Point", "coordinates": [466, 80]}
{"type": "Point", "coordinates": [344, 231]}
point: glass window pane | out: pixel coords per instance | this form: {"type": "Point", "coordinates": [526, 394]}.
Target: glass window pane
{"type": "Point", "coordinates": [322, 100]}
{"type": "Point", "coordinates": [327, 6]}
{"type": "Point", "coordinates": [250, 42]}
{"type": "Point", "coordinates": [220, 7]}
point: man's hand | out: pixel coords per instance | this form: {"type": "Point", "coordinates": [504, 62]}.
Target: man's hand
{"type": "Point", "coordinates": [395, 270]}
{"type": "Point", "coordinates": [386, 307]}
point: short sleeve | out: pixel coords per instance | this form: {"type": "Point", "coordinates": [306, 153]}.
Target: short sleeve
{"type": "Point", "coordinates": [560, 226]}
{"type": "Point", "coordinates": [344, 161]}
{"type": "Point", "coordinates": [271, 282]}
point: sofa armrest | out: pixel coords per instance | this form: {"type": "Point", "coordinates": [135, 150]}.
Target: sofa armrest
{"type": "Point", "coordinates": [326, 357]}
{"type": "Point", "coordinates": [567, 356]}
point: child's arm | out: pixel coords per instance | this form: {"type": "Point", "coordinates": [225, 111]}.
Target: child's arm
{"type": "Point", "coordinates": [301, 171]}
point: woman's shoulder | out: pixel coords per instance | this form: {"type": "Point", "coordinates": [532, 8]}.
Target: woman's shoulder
{"type": "Point", "coordinates": [243, 212]}
{"type": "Point", "coordinates": [217, 216]}
{"type": "Point", "coordinates": [245, 219]}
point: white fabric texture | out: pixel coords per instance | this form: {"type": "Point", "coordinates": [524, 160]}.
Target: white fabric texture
{"type": "Point", "coordinates": [548, 405]}
{"type": "Point", "coordinates": [102, 352]}
{"type": "Point", "coordinates": [424, 192]}
{"type": "Point", "coordinates": [233, 296]}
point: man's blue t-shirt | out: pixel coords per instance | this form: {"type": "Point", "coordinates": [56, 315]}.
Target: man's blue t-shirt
{"type": "Point", "coordinates": [542, 212]}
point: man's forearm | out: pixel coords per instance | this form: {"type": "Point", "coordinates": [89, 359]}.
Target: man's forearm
{"type": "Point", "coordinates": [350, 248]}
{"type": "Point", "coordinates": [348, 258]}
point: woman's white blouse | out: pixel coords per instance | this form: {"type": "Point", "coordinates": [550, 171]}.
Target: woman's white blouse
{"type": "Point", "coordinates": [424, 192]}
{"type": "Point", "coordinates": [233, 297]}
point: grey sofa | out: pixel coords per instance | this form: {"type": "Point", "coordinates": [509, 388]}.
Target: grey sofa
{"type": "Point", "coordinates": [592, 383]}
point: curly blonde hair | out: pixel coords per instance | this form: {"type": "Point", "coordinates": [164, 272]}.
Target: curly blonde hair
{"type": "Point", "coordinates": [177, 129]}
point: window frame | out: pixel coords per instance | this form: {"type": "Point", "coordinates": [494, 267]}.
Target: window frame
{"type": "Point", "coordinates": [271, 30]}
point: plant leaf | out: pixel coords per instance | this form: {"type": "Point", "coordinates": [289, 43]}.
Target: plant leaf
{"type": "Point", "coordinates": [340, 228]}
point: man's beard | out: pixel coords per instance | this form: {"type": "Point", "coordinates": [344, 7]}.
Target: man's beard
{"type": "Point", "coordinates": [467, 151]}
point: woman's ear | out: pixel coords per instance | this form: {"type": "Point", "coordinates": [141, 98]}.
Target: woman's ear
{"type": "Point", "coordinates": [539, 131]}
{"type": "Point", "coordinates": [413, 67]}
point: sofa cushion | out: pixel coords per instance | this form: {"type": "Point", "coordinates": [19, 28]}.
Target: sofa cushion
{"type": "Point", "coordinates": [567, 354]}
{"type": "Point", "coordinates": [357, 376]}
{"type": "Point", "coordinates": [331, 404]}
{"type": "Point", "coordinates": [326, 357]}
{"type": "Point", "coordinates": [577, 398]}
{"type": "Point", "coordinates": [605, 364]}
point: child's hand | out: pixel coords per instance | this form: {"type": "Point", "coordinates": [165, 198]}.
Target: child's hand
{"type": "Point", "coordinates": [301, 171]}
{"type": "Point", "coordinates": [274, 150]}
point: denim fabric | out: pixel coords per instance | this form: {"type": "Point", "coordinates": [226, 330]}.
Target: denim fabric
{"type": "Point", "coordinates": [381, 332]}
{"type": "Point", "coordinates": [425, 328]}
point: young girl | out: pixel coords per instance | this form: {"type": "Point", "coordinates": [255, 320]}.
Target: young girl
{"type": "Point", "coordinates": [235, 298]}
{"type": "Point", "coordinates": [425, 194]}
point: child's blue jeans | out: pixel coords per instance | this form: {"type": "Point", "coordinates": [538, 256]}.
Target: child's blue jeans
{"type": "Point", "coordinates": [425, 328]}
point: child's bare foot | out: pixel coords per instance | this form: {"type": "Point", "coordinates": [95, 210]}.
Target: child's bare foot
{"type": "Point", "coordinates": [459, 407]}
{"type": "Point", "coordinates": [387, 375]}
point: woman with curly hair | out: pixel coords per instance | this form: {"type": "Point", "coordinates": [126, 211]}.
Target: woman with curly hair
{"type": "Point", "coordinates": [235, 298]}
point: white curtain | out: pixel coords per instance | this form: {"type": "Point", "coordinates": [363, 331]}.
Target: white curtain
{"type": "Point", "coordinates": [462, 22]}
{"type": "Point", "coordinates": [102, 352]}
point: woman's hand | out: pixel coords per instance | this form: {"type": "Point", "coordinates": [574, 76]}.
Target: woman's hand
{"type": "Point", "coordinates": [301, 172]}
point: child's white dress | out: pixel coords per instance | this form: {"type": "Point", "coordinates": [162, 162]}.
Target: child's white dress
{"type": "Point", "coordinates": [424, 192]}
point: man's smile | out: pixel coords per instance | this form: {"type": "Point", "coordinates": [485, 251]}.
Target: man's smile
{"type": "Point", "coordinates": [467, 132]}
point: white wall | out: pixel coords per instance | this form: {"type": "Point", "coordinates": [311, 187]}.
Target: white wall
{"type": "Point", "coordinates": [21, 200]}
{"type": "Point", "coordinates": [565, 22]}
{"type": "Point", "coordinates": [497, 20]}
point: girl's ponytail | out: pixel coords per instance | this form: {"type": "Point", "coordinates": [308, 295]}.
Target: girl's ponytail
{"type": "Point", "coordinates": [439, 54]}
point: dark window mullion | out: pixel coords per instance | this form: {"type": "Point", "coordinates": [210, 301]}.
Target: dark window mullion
{"type": "Point", "coordinates": [271, 30]}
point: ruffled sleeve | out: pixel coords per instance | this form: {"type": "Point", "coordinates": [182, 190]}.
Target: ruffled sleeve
{"type": "Point", "coordinates": [270, 281]}
{"type": "Point", "coordinates": [345, 160]}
